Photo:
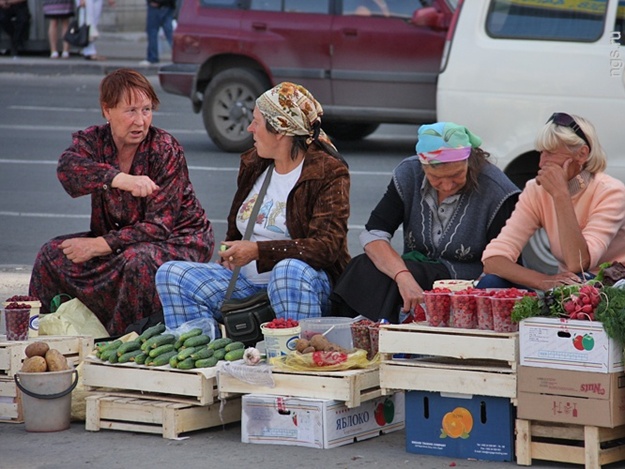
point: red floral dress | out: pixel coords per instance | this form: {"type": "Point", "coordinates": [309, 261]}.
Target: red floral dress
{"type": "Point", "coordinates": [142, 232]}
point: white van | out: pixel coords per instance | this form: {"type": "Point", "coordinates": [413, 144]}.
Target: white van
{"type": "Point", "coordinates": [510, 64]}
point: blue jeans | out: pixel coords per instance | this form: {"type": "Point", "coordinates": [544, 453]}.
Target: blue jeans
{"type": "Point", "coordinates": [494, 281]}
{"type": "Point", "coordinates": [190, 290]}
{"type": "Point", "coordinates": [158, 18]}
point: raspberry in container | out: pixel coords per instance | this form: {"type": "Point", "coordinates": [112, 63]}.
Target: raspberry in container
{"type": "Point", "coordinates": [437, 306]}
{"type": "Point", "coordinates": [501, 303]}
{"type": "Point", "coordinates": [484, 311]}
{"type": "Point", "coordinates": [361, 337]}
{"type": "Point", "coordinates": [463, 309]}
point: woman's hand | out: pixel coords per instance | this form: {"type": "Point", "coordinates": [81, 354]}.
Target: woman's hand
{"type": "Point", "coordinates": [80, 250]}
{"type": "Point", "coordinates": [559, 279]}
{"type": "Point", "coordinates": [238, 253]}
{"type": "Point", "coordinates": [410, 291]}
{"type": "Point", "coordinates": [554, 178]}
{"type": "Point", "coordinates": [138, 186]}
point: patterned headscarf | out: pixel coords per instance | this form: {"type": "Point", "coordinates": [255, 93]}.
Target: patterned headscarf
{"type": "Point", "coordinates": [292, 110]}
{"type": "Point", "coordinates": [445, 142]}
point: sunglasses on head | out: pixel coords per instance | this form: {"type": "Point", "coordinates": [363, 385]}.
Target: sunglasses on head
{"type": "Point", "coordinates": [565, 120]}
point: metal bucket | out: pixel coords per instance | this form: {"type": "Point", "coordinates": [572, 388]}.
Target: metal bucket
{"type": "Point", "coordinates": [47, 399]}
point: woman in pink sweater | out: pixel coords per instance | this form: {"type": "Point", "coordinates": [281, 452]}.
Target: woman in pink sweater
{"type": "Point", "coordinates": [581, 208]}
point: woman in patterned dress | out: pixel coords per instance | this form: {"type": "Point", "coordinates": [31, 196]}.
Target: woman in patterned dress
{"type": "Point", "coordinates": [144, 211]}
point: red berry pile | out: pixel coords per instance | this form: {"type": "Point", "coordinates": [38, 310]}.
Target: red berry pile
{"type": "Point", "coordinates": [437, 306]}
{"type": "Point", "coordinates": [22, 298]}
{"type": "Point", "coordinates": [502, 302]}
{"type": "Point", "coordinates": [464, 309]}
{"type": "Point", "coordinates": [282, 323]}
{"type": "Point", "coordinates": [583, 304]}
{"type": "Point", "coordinates": [17, 317]}
{"type": "Point", "coordinates": [16, 305]}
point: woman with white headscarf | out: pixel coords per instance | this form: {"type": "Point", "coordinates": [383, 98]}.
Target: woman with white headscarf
{"type": "Point", "coordinates": [298, 247]}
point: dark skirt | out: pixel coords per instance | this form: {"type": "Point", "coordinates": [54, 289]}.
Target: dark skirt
{"type": "Point", "coordinates": [363, 290]}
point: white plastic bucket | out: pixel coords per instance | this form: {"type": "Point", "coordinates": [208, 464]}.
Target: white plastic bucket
{"type": "Point", "coordinates": [47, 399]}
{"type": "Point", "coordinates": [280, 341]}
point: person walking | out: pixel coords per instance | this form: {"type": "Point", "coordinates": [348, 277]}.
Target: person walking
{"type": "Point", "coordinates": [160, 14]}
{"type": "Point", "coordinates": [93, 10]}
{"type": "Point", "coordinates": [15, 20]}
{"type": "Point", "coordinates": [58, 12]}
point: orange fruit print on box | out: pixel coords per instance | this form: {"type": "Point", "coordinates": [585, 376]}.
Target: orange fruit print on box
{"type": "Point", "coordinates": [457, 424]}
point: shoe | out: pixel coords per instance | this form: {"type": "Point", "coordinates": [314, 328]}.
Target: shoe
{"type": "Point", "coordinates": [65, 55]}
{"type": "Point", "coordinates": [147, 63]}
{"type": "Point", "coordinates": [54, 55]}
{"type": "Point", "coordinates": [98, 58]}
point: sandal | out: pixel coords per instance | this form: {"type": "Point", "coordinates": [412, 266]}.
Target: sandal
{"type": "Point", "coordinates": [54, 55]}
{"type": "Point", "coordinates": [64, 55]}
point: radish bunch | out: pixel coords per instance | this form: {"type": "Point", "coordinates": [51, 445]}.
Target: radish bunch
{"type": "Point", "coordinates": [583, 304]}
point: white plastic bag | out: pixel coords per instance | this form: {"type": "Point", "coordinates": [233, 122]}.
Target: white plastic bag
{"type": "Point", "coordinates": [72, 318]}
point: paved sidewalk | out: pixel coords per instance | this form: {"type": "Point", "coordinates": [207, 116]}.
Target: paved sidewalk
{"type": "Point", "coordinates": [120, 50]}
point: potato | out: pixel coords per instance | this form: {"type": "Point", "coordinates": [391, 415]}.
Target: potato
{"type": "Point", "coordinates": [301, 345]}
{"type": "Point", "coordinates": [37, 349]}
{"type": "Point", "coordinates": [319, 342]}
{"type": "Point", "coordinates": [309, 349]}
{"type": "Point", "coordinates": [34, 364]}
{"type": "Point", "coordinates": [56, 360]}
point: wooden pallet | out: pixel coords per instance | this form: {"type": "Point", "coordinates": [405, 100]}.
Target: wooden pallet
{"type": "Point", "coordinates": [196, 386]}
{"type": "Point", "coordinates": [169, 419]}
{"type": "Point", "coordinates": [351, 386]}
{"type": "Point", "coordinates": [74, 348]}
{"type": "Point", "coordinates": [10, 402]}
{"type": "Point", "coordinates": [444, 359]}
{"type": "Point", "coordinates": [577, 444]}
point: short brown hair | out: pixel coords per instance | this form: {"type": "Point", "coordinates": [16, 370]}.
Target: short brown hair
{"type": "Point", "coordinates": [121, 83]}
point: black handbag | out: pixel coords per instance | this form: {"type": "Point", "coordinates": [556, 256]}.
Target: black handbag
{"type": "Point", "coordinates": [77, 34]}
{"type": "Point", "coordinates": [242, 317]}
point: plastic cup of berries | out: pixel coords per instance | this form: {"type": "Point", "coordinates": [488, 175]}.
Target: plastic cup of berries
{"type": "Point", "coordinates": [463, 309]}
{"type": "Point", "coordinates": [361, 337]}
{"type": "Point", "coordinates": [374, 336]}
{"type": "Point", "coordinates": [437, 306]}
{"type": "Point", "coordinates": [17, 318]}
{"type": "Point", "coordinates": [484, 311]}
{"type": "Point", "coordinates": [501, 304]}
{"type": "Point", "coordinates": [35, 306]}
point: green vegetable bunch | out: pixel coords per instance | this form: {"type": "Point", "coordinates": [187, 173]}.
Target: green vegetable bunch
{"type": "Point", "coordinates": [611, 312]}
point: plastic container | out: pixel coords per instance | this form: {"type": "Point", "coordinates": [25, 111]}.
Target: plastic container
{"type": "Point", "coordinates": [484, 312]}
{"type": "Point", "coordinates": [279, 341]}
{"type": "Point", "coordinates": [361, 337]}
{"type": "Point", "coordinates": [463, 311]}
{"type": "Point", "coordinates": [47, 399]}
{"type": "Point", "coordinates": [16, 322]}
{"type": "Point", "coordinates": [336, 329]}
{"type": "Point", "coordinates": [437, 308]}
{"type": "Point", "coordinates": [33, 325]}
{"type": "Point", "coordinates": [502, 311]}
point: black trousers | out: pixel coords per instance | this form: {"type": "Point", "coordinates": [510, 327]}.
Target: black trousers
{"type": "Point", "coordinates": [15, 21]}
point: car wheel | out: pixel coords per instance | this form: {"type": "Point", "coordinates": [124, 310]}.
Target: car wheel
{"type": "Point", "coordinates": [228, 105]}
{"type": "Point", "coordinates": [537, 254]}
{"type": "Point", "coordinates": [347, 130]}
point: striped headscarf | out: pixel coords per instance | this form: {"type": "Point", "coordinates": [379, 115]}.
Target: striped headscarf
{"type": "Point", "coordinates": [445, 142]}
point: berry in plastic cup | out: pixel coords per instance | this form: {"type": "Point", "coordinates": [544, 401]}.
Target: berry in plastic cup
{"type": "Point", "coordinates": [437, 308]}
{"type": "Point", "coordinates": [484, 312]}
{"type": "Point", "coordinates": [17, 322]}
{"type": "Point", "coordinates": [463, 310]}
{"type": "Point", "coordinates": [502, 312]}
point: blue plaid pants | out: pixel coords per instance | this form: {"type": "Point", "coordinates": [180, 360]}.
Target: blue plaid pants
{"type": "Point", "coordinates": [190, 290]}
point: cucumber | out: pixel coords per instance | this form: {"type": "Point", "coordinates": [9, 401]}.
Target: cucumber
{"type": "Point", "coordinates": [204, 352]}
{"type": "Point", "coordinates": [155, 352]}
{"type": "Point", "coordinates": [220, 343]}
{"type": "Point", "coordinates": [129, 356]}
{"type": "Point", "coordinates": [162, 359]}
{"type": "Point", "coordinates": [186, 352]}
{"type": "Point", "coordinates": [147, 345]}
{"type": "Point", "coordinates": [233, 355]}
{"type": "Point", "coordinates": [111, 345]}
{"type": "Point", "coordinates": [113, 358]}
{"type": "Point", "coordinates": [140, 359]}
{"type": "Point", "coordinates": [206, 362]}
{"type": "Point", "coordinates": [178, 344]}
{"type": "Point", "coordinates": [173, 362]}
{"type": "Point", "coordinates": [234, 346]}
{"type": "Point", "coordinates": [152, 331]}
{"type": "Point", "coordinates": [220, 353]}
{"type": "Point", "coordinates": [104, 356]}
{"type": "Point", "coordinates": [202, 339]}
{"type": "Point", "coordinates": [186, 364]}
{"type": "Point", "coordinates": [162, 339]}
{"type": "Point", "coordinates": [128, 347]}
{"type": "Point", "coordinates": [191, 333]}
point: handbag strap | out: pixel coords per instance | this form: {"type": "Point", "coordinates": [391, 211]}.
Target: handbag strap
{"type": "Point", "coordinates": [250, 227]}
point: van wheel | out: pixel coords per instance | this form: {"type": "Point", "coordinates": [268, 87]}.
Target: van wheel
{"type": "Point", "coordinates": [537, 254]}
{"type": "Point", "coordinates": [228, 104]}
{"type": "Point", "coordinates": [347, 130]}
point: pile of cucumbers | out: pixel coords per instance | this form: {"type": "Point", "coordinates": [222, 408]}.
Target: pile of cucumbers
{"type": "Point", "coordinates": [155, 347]}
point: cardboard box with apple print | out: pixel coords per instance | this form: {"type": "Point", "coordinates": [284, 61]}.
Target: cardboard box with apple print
{"type": "Point", "coordinates": [460, 426]}
{"type": "Point", "coordinates": [575, 397]}
{"type": "Point", "coordinates": [568, 344]}
{"type": "Point", "coordinates": [317, 423]}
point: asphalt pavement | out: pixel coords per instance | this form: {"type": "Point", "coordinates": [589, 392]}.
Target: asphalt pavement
{"type": "Point", "coordinates": [217, 447]}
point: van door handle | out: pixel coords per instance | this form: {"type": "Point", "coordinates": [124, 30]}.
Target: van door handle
{"type": "Point", "coordinates": [259, 26]}
{"type": "Point", "coordinates": [350, 32]}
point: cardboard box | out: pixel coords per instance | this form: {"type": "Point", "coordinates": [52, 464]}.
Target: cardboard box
{"type": "Point", "coordinates": [317, 423]}
{"type": "Point", "coordinates": [568, 345]}
{"type": "Point", "coordinates": [576, 397]}
{"type": "Point", "coordinates": [460, 426]}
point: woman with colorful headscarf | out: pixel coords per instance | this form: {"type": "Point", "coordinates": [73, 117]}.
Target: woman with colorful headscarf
{"type": "Point", "coordinates": [298, 247]}
{"type": "Point", "coordinates": [451, 201]}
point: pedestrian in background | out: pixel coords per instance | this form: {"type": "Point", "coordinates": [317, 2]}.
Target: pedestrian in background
{"type": "Point", "coordinates": [58, 12]}
{"type": "Point", "coordinates": [160, 14]}
{"type": "Point", "coordinates": [15, 20]}
{"type": "Point", "coordinates": [93, 10]}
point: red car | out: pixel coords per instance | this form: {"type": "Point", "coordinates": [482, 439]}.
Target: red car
{"type": "Point", "coordinates": [366, 61]}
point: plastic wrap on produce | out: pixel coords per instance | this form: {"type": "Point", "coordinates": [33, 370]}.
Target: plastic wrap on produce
{"type": "Point", "coordinates": [259, 375]}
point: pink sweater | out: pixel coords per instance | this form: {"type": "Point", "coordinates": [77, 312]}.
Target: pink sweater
{"type": "Point", "coordinates": [600, 210]}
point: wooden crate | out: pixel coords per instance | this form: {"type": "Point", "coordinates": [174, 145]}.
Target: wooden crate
{"type": "Point", "coordinates": [74, 348]}
{"type": "Point", "coordinates": [577, 444]}
{"type": "Point", "coordinates": [10, 402]}
{"type": "Point", "coordinates": [196, 386]}
{"type": "Point", "coordinates": [467, 361]}
{"type": "Point", "coordinates": [350, 386]}
{"type": "Point", "coordinates": [167, 418]}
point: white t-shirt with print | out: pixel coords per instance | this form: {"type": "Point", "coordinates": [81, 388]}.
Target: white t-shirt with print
{"type": "Point", "coordinates": [271, 220]}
